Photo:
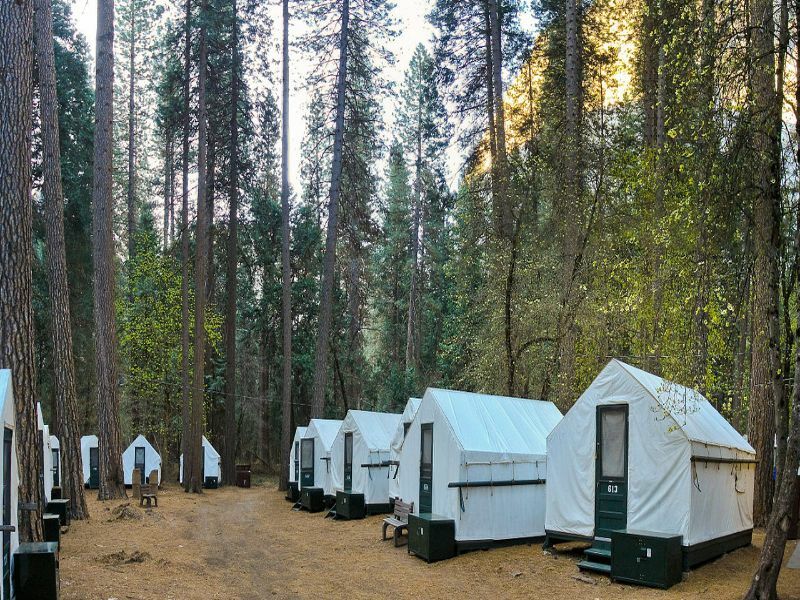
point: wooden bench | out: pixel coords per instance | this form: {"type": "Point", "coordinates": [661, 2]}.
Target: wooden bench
{"type": "Point", "coordinates": [398, 520]}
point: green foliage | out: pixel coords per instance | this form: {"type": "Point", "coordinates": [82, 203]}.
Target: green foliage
{"type": "Point", "coordinates": [149, 321]}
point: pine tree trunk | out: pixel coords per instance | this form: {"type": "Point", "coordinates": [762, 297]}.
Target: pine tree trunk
{"type": "Point", "coordinates": [16, 249]}
{"type": "Point", "coordinates": [571, 201]}
{"type": "Point", "coordinates": [765, 580]}
{"type": "Point", "coordinates": [229, 460]}
{"type": "Point", "coordinates": [106, 357]}
{"type": "Point", "coordinates": [766, 206]}
{"type": "Point", "coordinates": [132, 133]}
{"type": "Point", "coordinates": [63, 362]}
{"type": "Point", "coordinates": [185, 402]}
{"type": "Point", "coordinates": [286, 266]}
{"type": "Point", "coordinates": [329, 262]}
{"type": "Point", "coordinates": [412, 332]}
{"type": "Point", "coordinates": [194, 481]}
{"type": "Point", "coordinates": [504, 225]}
{"type": "Point", "coordinates": [781, 407]}
{"type": "Point", "coordinates": [167, 167]}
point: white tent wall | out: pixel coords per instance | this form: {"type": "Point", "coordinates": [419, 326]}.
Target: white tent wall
{"type": "Point", "coordinates": [372, 433]}
{"type": "Point", "coordinates": [660, 496]}
{"type": "Point", "coordinates": [152, 459]}
{"type": "Point", "coordinates": [294, 456]}
{"type": "Point", "coordinates": [323, 432]}
{"type": "Point", "coordinates": [396, 446]}
{"type": "Point", "coordinates": [722, 495]}
{"type": "Point", "coordinates": [211, 462]}
{"type": "Point", "coordinates": [8, 413]}
{"type": "Point", "coordinates": [489, 513]}
{"type": "Point", "coordinates": [47, 453]}
{"type": "Point", "coordinates": [87, 442]}
{"type": "Point", "coordinates": [55, 447]}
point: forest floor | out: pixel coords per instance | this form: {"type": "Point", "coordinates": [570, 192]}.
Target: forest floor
{"type": "Point", "coordinates": [247, 544]}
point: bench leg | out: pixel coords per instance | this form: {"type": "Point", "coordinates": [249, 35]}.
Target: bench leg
{"type": "Point", "coordinates": [156, 501]}
{"type": "Point", "coordinates": [383, 536]}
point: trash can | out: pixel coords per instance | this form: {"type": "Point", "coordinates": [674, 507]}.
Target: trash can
{"type": "Point", "coordinates": [243, 474]}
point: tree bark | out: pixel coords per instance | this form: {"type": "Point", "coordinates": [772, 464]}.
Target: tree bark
{"type": "Point", "coordinates": [106, 355]}
{"type": "Point", "coordinates": [286, 266]}
{"type": "Point", "coordinates": [63, 362]}
{"type": "Point", "coordinates": [766, 387]}
{"type": "Point", "coordinates": [781, 406]}
{"type": "Point", "coordinates": [329, 262]}
{"type": "Point", "coordinates": [765, 579]}
{"type": "Point", "coordinates": [571, 201]}
{"type": "Point", "coordinates": [16, 249]}
{"type": "Point", "coordinates": [132, 133]}
{"type": "Point", "coordinates": [229, 459]}
{"type": "Point", "coordinates": [194, 481]}
{"type": "Point", "coordinates": [412, 332]}
{"type": "Point", "coordinates": [185, 402]}
{"type": "Point", "coordinates": [505, 223]}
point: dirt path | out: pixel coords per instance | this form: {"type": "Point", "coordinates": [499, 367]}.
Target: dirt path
{"type": "Point", "coordinates": [247, 544]}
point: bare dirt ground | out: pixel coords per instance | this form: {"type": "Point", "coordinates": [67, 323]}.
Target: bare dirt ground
{"type": "Point", "coordinates": [245, 544]}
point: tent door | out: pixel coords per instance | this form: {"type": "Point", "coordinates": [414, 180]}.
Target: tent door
{"type": "Point", "coordinates": [348, 462]}
{"type": "Point", "coordinates": [138, 461]}
{"type": "Point", "coordinates": [426, 468]}
{"type": "Point", "coordinates": [56, 467]}
{"type": "Point", "coordinates": [611, 471]}
{"type": "Point", "coordinates": [307, 462]}
{"type": "Point", "coordinates": [94, 468]}
{"type": "Point", "coordinates": [297, 461]}
{"type": "Point", "coordinates": [7, 448]}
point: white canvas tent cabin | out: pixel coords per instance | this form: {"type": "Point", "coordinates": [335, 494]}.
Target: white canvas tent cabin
{"type": "Point", "coordinates": [360, 463]}
{"type": "Point", "coordinates": [212, 466]}
{"type": "Point", "coordinates": [46, 466]}
{"type": "Point", "coordinates": [293, 489]}
{"type": "Point", "coordinates": [55, 445]}
{"type": "Point", "coordinates": [9, 477]}
{"type": "Point", "coordinates": [316, 481]}
{"type": "Point", "coordinates": [90, 459]}
{"type": "Point", "coordinates": [397, 446]}
{"type": "Point", "coordinates": [140, 455]}
{"type": "Point", "coordinates": [480, 461]}
{"type": "Point", "coordinates": [640, 453]}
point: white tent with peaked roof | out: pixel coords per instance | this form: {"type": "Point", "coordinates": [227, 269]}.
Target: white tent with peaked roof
{"type": "Point", "coordinates": [294, 455]}
{"type": "Point", "coordinates": [397, 445]}
{"type": "Point", "coordinates": [88, 443]}
{"type": "Point", "coordinates": [479, 460]}
{"type": "Point", "coordinates": [9, 479]}
{"type": "Point", "coordinates": [55, 446]}
{"type": "Point", "coordinates": [315, 454]}
{"type": "Point", "coordinates": [212, 463]}
{"type": "Point", "coordinates": [140, 454]}
{"type": "Point", "coordinates": [367, 436]}
{"type": "Point", "coordinates": [669, 460]}
{"type": "Point", "coordinates": [47, 453]}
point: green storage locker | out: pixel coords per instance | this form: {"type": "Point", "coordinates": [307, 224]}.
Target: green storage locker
{"type": "Point", "coordinates": [51, 524]}
{"type": "Point", "coordinates": [312, 499]}
{"type": "Point", "coordinates": [36, 571]}
{"type": "Point", "coordinates": [431, 537]}
{"type": "Point", "coordinates": [645, 557]}
{"type": "Point", "coordinates": [350, 506]}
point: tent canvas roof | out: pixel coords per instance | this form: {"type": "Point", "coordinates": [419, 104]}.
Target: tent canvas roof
{"type": "Point", "coordinates": [411, 409]}
{"type": "Point", "coordinates": [325, 428]}
{"type": "Point", "coordinates": [498, 424]}
{"type": "Point", "coordinates": [690, 410]}
{"type": "Point", "coordinates": [376, 428]}
{"type": "Point", "coordinates": [300, 433]}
